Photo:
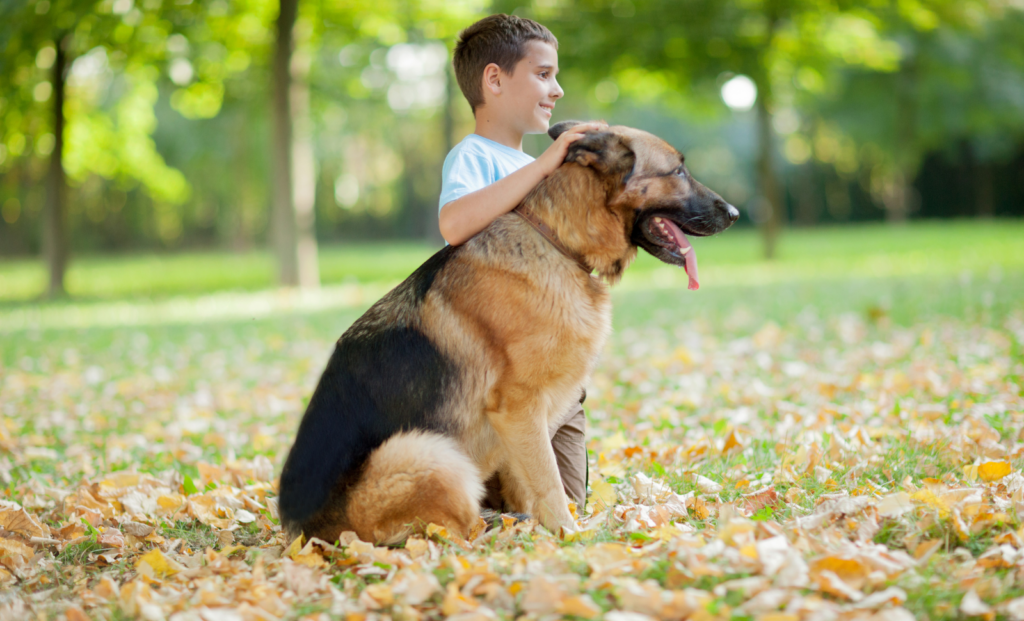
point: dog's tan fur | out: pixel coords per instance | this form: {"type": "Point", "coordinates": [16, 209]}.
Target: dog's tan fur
{"type": "Point", "coordinates": [525, 324]}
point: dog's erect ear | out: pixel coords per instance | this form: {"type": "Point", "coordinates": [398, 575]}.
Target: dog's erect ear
{"type": "Point", "coordinates": [604, 152]}
{"type": "Point", "coordinates": [557, 129]}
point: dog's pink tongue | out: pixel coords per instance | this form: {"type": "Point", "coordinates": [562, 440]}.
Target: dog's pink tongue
{"type": "Point", "coordinates": [689, 254]}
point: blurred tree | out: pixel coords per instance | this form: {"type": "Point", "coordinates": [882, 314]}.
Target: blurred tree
{"type": "Point", "coordinates": [80, 43]}
{"type": "Point", "coordinates": [959, 89]}
{"type": "Point", "coordinates": [292, 218]}
{"type": "Point", "coordinates": [684, 62]}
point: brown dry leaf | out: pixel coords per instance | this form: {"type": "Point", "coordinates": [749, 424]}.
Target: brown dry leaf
{"type": "Point", "coordinates": [765, 497]}
{"type": "Point", "coordinates": [13, 518]}
{"type": "Point", "coordinates": [14, 554]}
{"type": "Point", "coordinates": [111, 539]}
{"type": "Point", "coordinates": [136, 529]}
{"type": "Point", "coordinates": [74, 613]}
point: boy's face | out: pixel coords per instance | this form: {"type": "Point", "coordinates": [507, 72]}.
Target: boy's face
{"type": "Point", "coordinates": [527, 97]}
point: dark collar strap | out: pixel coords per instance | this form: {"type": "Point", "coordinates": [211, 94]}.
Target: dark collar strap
{"type": "Point", "coordinates": [524, 212]}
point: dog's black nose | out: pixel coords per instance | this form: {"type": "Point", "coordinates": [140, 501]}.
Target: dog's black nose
{"type": "Point", "coordinates": [734, 214]}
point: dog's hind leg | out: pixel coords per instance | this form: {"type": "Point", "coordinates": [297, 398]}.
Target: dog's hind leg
{"type": "Point", "coordinates": [413, 479]}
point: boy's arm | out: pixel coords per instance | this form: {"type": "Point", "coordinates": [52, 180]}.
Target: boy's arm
{"type": "Point", "coordinates": [464, 217]}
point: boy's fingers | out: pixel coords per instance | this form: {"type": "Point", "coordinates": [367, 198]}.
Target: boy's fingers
{"type": "Point", "coordinates": [586, 127]}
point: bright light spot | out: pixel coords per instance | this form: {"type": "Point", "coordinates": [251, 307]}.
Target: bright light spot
{"type": "Point", "coordinates": [606, 92]}
{"type": "Point", "coordinates": [797, 150]}
{"type": "Point", "coordinates": [181, 71]}
{"type": "Point", "coordinates": [45, 57]}
{"type": "Point", "coordinates": [411, 62]}
{"type": "Point", "coordinates": [122, 6]}
{"type": "Point", "coordinates": [44, 144]}
{"type": "Point", "coordinates": [420, 73]}
{"type": "Point", "coordinates": [739, 93]}
{"type": "Point", "coordinates": [346, 190]}
{"type": "Point", "coordinates": [42, 91]}
{"type": "Point", "coordinates": [89, 67]}
{"type": "Point", "coordinates": [348, 55]}
{"type": "Point", "coordinates": [177, 44]}
{"type": "Point", "coordinates": [786, 121]}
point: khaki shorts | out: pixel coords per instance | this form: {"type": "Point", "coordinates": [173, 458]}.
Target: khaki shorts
{"type": "Point", "coordinates": [569, 443]}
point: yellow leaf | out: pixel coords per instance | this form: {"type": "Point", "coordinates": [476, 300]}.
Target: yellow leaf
{"type": "Point", "coordinates": [732, 442]}
{"type": "Point", "coordinates": [850, 570]}
{"type": "Point", "coordinates": [579, 606]}
{"type": "Point", "coordinates": [157, 563]}
{"type": "Point", "coordinates": [311, 559]}
{"type": "Point", "coordinates": [602, 494]}
{"type": "Point", "coordinates": [929, 498]}
{"type": "Point", "coordinates": [994, 470]}
{"type": "Point", "coordinates": [381, 593]}
{"type": "Point", "coordinates": [433, 530]}
{"type": "Point", "coordinates": [295, 547]}
{"type": "Point", "coordinates": [700, 509]}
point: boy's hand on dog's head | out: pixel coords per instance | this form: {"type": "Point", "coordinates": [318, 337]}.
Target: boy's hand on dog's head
{"type": "Point", "coordinates": [554, 155]}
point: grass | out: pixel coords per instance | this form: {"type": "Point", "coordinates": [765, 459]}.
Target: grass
{"type": "Point", "coordinates": [109, 379]}
{"type": "Point", "coordinates": [950, 250]}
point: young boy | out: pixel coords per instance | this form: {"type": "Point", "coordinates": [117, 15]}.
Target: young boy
{"type": "Point", "coordinates": [506, 68]}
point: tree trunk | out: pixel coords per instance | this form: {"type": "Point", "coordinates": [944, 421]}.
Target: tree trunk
{"type": "Point", "coordinates": [304, 173]}
{"type": "Point", "coordinates": [770, 203]}
{"type": "Point", "coordinates": [985, 190]}
{"type": "Point", "coordinates": [808, 201]}
{"type": "Point", "coordinates": [55, 236]}
{"type": "Point", "coordinates": [292, 215]}
{"type": "Point", "coordinates": [900, 197]}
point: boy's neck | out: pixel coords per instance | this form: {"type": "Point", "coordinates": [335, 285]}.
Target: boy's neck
{"type": "Point", "coordinates": [492, 128]}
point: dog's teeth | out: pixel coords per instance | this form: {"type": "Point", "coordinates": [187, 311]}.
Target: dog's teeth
{"type": "Point", "coordinates": [684, 250]}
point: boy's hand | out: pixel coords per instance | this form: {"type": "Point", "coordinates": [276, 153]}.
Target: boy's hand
{"type": "Point", "coordinates": [553, 157]}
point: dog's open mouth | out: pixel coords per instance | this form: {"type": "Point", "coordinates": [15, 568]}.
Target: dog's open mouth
{"type": "Point", "coordinates": [669, 236]}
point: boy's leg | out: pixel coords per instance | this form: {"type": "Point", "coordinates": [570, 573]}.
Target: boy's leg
{"type": "Point", "coordinates": [570, 447]}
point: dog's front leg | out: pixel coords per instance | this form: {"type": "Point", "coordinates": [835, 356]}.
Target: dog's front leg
{"type": "Point", "coordinates": [531, 462]}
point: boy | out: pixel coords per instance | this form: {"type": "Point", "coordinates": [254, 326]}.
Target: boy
{"type": "Point", "coordinates": [506, 66]}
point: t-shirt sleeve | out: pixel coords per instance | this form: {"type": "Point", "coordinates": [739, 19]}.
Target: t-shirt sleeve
{"type": "Point", "coordinates": [465, 171]}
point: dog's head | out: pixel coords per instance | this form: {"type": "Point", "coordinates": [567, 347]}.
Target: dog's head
{"type": "Point", "coordinates": [650, 192]}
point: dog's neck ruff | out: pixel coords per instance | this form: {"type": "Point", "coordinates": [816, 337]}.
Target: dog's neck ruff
{"type": "Point", "coordinates": [524, 212]}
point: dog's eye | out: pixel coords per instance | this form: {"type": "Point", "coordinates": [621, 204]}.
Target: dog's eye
{"type": "Point", "coordinates": [681, 172]}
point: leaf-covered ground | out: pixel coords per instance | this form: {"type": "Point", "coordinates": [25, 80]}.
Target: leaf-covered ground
{"type": "Point", "coordinates": [843, 448]}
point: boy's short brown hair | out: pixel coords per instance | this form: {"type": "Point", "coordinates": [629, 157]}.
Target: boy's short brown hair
{"type": "Point", "coordinates": [499, 39]}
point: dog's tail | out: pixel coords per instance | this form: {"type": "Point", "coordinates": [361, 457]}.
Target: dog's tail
{"type": "Point", "coordinates": [413, 479]}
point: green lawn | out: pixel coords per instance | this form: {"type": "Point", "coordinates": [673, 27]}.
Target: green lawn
{"type": "Point", "coordinates": [937, 249]}
{"type": "Point", "coordinates": [872, 368]}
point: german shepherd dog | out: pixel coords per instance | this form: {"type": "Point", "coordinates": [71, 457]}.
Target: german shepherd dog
{"type": "Point", "coordinates": [460, 372]}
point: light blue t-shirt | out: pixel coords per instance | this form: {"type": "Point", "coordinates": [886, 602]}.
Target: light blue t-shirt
{"type": "Point", "coordinates": [476, 163]}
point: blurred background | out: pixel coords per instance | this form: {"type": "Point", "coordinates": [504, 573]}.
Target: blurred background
{"type": "Point", "coordinates": [159, 147]}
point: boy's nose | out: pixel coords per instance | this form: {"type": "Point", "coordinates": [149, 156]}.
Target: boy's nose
{"type": "Point", "coordinates": [558, 92]}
